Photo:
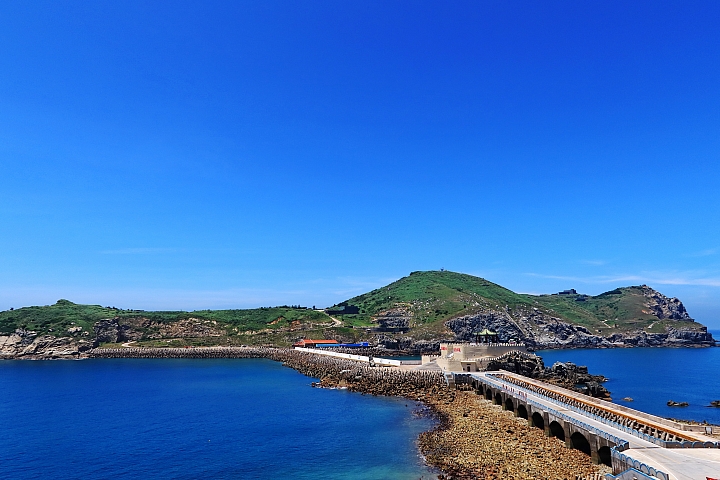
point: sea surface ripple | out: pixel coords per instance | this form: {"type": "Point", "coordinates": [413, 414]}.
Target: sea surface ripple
{"type": "Point", "coordinates": [187, 419]}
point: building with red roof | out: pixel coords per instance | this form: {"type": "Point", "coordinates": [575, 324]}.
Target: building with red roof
{"type": "Point", "coordinates": [307, 343]}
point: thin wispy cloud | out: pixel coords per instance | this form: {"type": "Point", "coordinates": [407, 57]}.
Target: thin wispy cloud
{"type": "Point", "coordinates": [160, 298]}
{"type": "Point", "coordinates": [705, 253]}
{"type": "Point", "coordinates": [352, 286]}
{"type": "Point", "coordinates": [660, 278]}
{"type": "Point", "coordinates": [595, 263]}
{"type": "Point", "coordinates": [139, 251]}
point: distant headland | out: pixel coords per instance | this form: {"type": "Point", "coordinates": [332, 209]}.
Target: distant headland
{"type": "Point", "coordinates": [413, 314]}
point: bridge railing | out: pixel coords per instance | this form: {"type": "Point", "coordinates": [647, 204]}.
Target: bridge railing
{"type": "Point", "coordinates": [627, 462]}
{"type": "Point", "coordinates": [623, 444]}
{"type": "Point", "coordinates": [629, 474]}
{"type": "Point", "coordinates": [629, 430]}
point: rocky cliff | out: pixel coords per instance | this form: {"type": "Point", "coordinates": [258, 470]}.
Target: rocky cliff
{"type": "Point", "coordinates": [439, 305]}
{"type": "Point", "coordinates": [75, 341]}
{"type": "Point", "coordinates": [115, 330]}
{"type": "Point", "coordinates": [669, 324]}
{"type": "Point", "coordinates": [28, 344]}
{"type": "Point", "coordinates": [542, 331]}
{"type": "Point", "coordinates": [663, 307]}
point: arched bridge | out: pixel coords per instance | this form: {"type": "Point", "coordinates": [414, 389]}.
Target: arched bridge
{"type": "Point", "coordinates": [611, 434]}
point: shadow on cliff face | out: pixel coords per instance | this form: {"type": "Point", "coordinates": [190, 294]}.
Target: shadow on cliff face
{"type": "Point", "coordinates": [465, 327]}
{"type": "Point", "coordinates": [110, 331]}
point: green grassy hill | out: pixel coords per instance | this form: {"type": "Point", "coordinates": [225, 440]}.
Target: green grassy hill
{"type": "Point", "coordinates": [433, 297]}
{"type": "Point", "coordinates": [58, 318]}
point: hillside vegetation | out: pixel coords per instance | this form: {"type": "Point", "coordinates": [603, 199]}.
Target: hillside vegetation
{"type": "Point", "coordinates": [57, 319]}
{"type": "Point", "coordinates": [433, 297]}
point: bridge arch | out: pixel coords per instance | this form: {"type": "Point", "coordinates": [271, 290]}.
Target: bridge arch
{"type": "Point", "coordinates": [509, 404]}
{"type": "Point", "coordinates": [579, 442]}
{"type": "Point", "coordinates": [488, 394]}
{"type": "Point", "coordinates": [522, 412]}
{"type": "Point", "coordinates": [498, 399]}
{"type": "Point", "coordinates": [556, 430]}
{"type": "Point", "coordinates": [605, 456]}
{"type": "Point", "coordinates": [538, 420]}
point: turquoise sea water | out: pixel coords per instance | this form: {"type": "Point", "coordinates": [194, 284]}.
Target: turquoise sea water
{"type": "Point", "coordinates": [652, 376]}
{"type": "Point", "coordinates": [187, 419]}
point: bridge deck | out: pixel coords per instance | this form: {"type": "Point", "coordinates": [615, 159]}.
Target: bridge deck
{"type": "Point", "coordinates": [679, 463]}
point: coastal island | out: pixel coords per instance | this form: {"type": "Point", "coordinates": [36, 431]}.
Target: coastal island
{"type": "Point", "coordinates": [412, 315]}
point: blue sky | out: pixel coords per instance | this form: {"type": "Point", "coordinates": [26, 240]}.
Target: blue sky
{"type": "Point", "coordinates": [184, 155]}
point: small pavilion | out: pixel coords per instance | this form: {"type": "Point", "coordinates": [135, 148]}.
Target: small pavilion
{"type": "Point", "coordinates": [486, 336]}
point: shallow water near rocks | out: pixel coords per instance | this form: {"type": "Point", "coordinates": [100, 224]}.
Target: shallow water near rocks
{"type": "Point", "coordinates": [186, 419]}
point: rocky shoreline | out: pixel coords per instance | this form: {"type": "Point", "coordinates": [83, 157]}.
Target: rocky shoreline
{"type": "Point", "coordinates": [502, 446]}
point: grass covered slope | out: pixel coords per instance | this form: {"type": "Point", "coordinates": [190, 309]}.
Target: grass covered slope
{"type": "Point", "coordinates": [58, 318]}
{"type": "Point", "coordinates": [619, 310]}
{"type": "Point", "coordinates": [54, 319]}
{"type": "Point", "coordinates": [433, 297]}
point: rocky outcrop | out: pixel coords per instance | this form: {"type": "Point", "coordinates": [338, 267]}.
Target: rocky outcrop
{"type": "Point", "coordinates": [111, 331]}
{"type": "Point", "coordinates": [566, 375]}
{"type": "Point", "coordinates": [665, 321]}
{"type": "Point", "coordinates": [576, 377]}
{"type": "Point", "coordinates": [393, 320]}
{"type": "Point", "coordinates": [190, 327]}
{"type": "Point", "coordinates": [673, 337]}
{"type": "Point", "coordinates": [28, 344]}
{"type": "Point", "coordinates": [531, 366]}
{"type": "Point", "coordinates": [406, 345]}
{"type": "Point", "coordinates": [664, 307]}
{"type": "Point", "coordinates": [115, 330]}
{"type": "Point", "coordinates": [539, 330]}
{"type": "Point", "coordinates": [424, 346]}
{"type": "Point", "coordinates": [465, 327]}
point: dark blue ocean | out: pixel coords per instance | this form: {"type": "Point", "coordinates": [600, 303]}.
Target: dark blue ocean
{"type": "Point", "coordinates": [188, 419]}
{"type": "Point", "coordinates": [652, 376]}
